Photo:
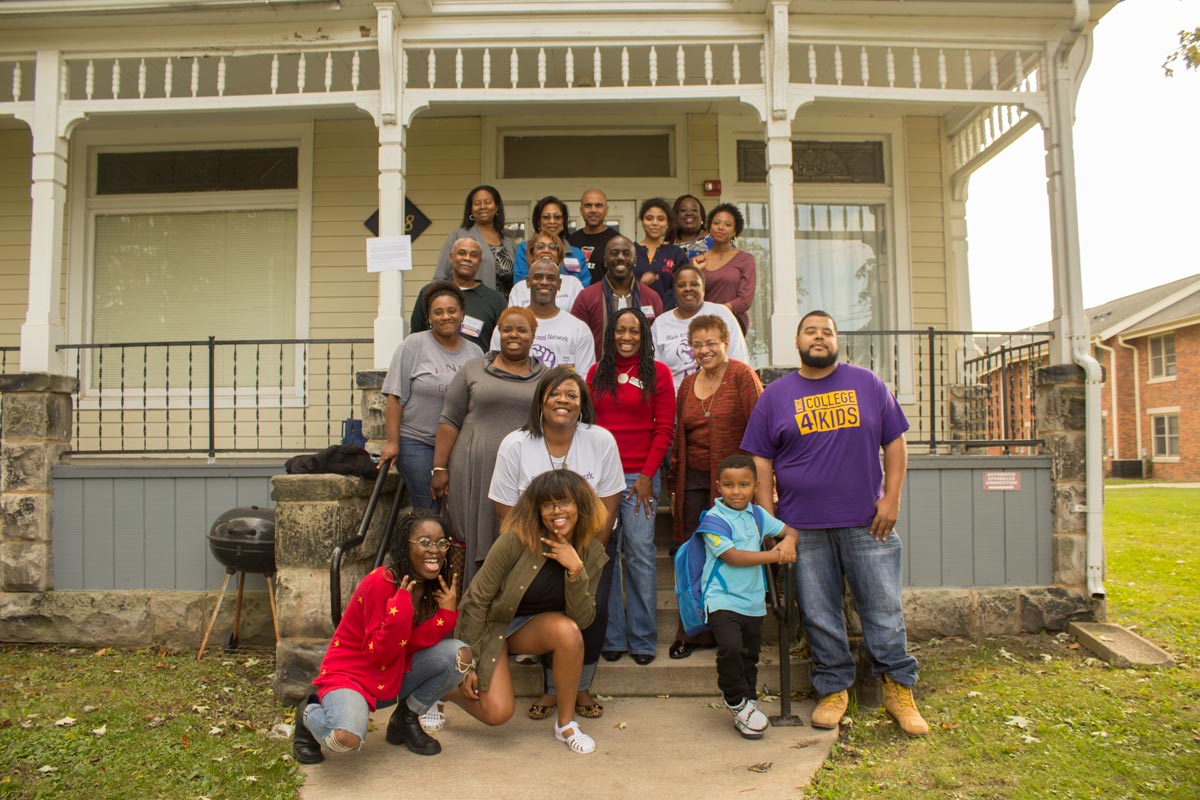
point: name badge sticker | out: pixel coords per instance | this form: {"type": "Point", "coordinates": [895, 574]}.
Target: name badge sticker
{"type": "Point", "coordinates": [571, 263]}
{"type": "Point", "coordinates": [471, 326]}
{"type": "Point", "coordinates": [648, 311]}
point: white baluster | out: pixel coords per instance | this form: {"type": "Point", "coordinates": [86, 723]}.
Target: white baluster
{"type": "Point", "coordinates": [680, 65]}
{"type": "Point", "coordinates": [89, 83]}
{"type": "Point", "coordinates": [168, 76]}
{"type": "Point", "coordinates": [967, 74]}
{"type": "Point", "coordinates": [403, 69]}
{"type": "Point", "coordinates": [916, 67]}
{"type": "Point", "coordinates": [514, 73]}
{"type": "Point", "coordinates": [708, 69]}
{"type": "Point", "coordinates": [431, 68]}
{"type": "Point", "coordinates": [328, 72]}
{"type": "Point", "coordinates": [142, 79]}
{"type": "Point", "coordinates": [891, 68]}
{"type": "Point", "coordinates": [458, 68]}
{"type": "Point", "coordinates": [16, 82]}
{"type": "Point", "coordinates": [737, 64]}
{"type": "Point", "coordinates": [64, 82]}
{"type": "Point", "coordinates": [1018, 72]}
{"type": "Point", "coordinates": [356, 66]}
{"type": "Point", "coordinates": [570, 68]}
{"type": "Point", "coordinates": [837, 64]}
{"type": "Point", "coordinates": [993, 70]}
{"type": "Point", "coordinates": [195, 76]}
{"type": "Point", "coordinates": [275, 73]}
{"type": "Point", "coordinates": [301, 74]}
{"type": "Point", "coordinates": [653, 66]}
{"type": "Point", "coordinates": [941, 68]}
{"type": "Point", "coordinates": [864, 66]}
{"type": "Point", "coordinates": [541, 68]}
{"type": "Point", "coordinates": [116, 78]}
{"type": "Point", "coordinates": [221, 77]}
{"type": "Point", "coordinates": [762, 63]}
{"type": "Point", "coordinates": [987, 128]}
{"type": "Point", "coordinates": [487, 68]}
{"type": "Point", "coordinates": [625, 67]}
{"type": "Point", "coordinates": [596, 67]}
{"type": "Point", "coordinates": [812, 64]}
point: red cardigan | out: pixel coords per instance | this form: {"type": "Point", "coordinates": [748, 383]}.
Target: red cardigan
{"type": "Point", "coordinates": [372, 646]}
{"type": "Point", "coordinates": [643, 430]}
{"type": "Point", "coordinates": [591, 306]}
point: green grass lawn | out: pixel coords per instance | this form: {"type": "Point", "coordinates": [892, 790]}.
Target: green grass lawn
{"type": "Point", "coordinates": [1036, 716]}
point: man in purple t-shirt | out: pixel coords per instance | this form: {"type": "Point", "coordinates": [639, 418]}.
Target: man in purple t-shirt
{"type": "Point", "coordinates": [818, 433]}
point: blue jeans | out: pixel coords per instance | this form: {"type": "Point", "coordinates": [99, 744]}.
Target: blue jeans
{"type": "Point", "coordinates": [632, 625]}
{"type": "Point", "coordinates": [825, 560]}
{"type": "Point", "coordinates": [432, 673]}
{"type": "Point", "coordinates": [415, 463]}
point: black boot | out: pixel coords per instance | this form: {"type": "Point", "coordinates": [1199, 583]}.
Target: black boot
{"type": "Point", "coordinates": [405, 728]}
{"type": "Point", "coordinates": [305, 748]}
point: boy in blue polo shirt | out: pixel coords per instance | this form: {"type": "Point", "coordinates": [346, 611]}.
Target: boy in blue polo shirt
{"type": "Point", "coordinates": [734, 601]}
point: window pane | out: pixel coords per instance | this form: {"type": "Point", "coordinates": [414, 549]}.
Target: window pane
{"type": "Point", "coordinates": [196, 171]}
{"type": "Point", "coordinates": [608, 156]}
{"type": "Point", "coordinates": [841, 263]}
{"type": "Point", "coordinates": [161, 277]}
{"type": "Point", "coordinates": [816, 162]}
{"type": "Point", "coordinates": [756, 240]}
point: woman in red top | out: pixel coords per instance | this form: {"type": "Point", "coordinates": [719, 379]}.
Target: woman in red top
{"type": "Point", "coordinates": [391, 646]}
{"type": "Point", "coordinates": [634, 397]}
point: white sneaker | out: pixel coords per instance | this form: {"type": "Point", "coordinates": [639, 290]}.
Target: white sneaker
{"type": "Point", "coordinates": [433, 720]}
{"type": "Point", "coordinates": [747, 719]}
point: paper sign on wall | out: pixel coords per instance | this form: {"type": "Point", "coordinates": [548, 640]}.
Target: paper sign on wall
{"type": "Point", "coordinates": [387, 253]}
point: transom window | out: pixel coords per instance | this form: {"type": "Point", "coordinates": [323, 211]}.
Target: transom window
{"type": "Point", "coordinates": [1162, 356]}
{"type": "Point", "coordinates": [816, 162]}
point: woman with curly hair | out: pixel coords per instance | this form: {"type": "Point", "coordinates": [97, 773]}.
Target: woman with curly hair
{"type": "Point", "coordinates": [635, 402]}
{"type": "Point", "coordinates": [729, 273]}
{"type": "Point", "coordinates": [535, 593]}
{"type": "Point", "coordinates": [390, 647]}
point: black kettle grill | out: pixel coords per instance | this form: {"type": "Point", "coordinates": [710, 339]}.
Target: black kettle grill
{"type": "Point", "coordinates": [243, 540]}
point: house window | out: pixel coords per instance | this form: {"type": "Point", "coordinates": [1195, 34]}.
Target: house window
{"type": "Point", "coordinates": [1162, 356]}
{"type": "Point", "coordinates": [1166, 435]}
{"type": "Point", "coordinates": [816, 162]}
{"type": "Point", "coordinates": [610, 155]}
{"type": "Point", "coordinates": [188, 244]}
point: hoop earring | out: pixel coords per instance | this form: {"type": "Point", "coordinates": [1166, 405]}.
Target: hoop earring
{"type": "Point", "coordinates": [471, 217]}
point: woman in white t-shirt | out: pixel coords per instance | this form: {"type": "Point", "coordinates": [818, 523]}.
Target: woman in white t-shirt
{"type": "Point", "coordinates": [670, 330]}
{"type": "Point", "coordinates": [561, 434]}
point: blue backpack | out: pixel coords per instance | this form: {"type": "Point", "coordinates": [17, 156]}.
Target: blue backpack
{"type": "Point", "coordinates": [690, 587]}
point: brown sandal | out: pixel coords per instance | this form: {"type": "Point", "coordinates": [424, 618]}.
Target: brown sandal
{"type": "Point", "coordinates": [540, 712]}
{"type": "Point", "coordinates": [590, 710]}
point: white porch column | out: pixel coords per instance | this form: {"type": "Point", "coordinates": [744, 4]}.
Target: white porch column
{"type": "Point", "coordinates": [785, 315]}
{"type": "Point", "coordinates": [43, 329]}
{"type": "Point", "coordinates": [389, 317]}
{"type": "Point", "coordinates": [960, 286]}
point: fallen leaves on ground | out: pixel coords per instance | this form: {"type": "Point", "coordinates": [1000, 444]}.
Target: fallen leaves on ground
{"type": "Point", "coordinates": [761, 766]}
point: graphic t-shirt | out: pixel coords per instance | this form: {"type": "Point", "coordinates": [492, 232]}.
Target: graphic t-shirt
{"type": "Point", "coordinates": [824, 437]}
{"type": "Point", "coordinates": [592, 245]}
{"type": "Point", "coordinates": [522, 457]}
{"type": "Point", "coordinates": [671, 345]}
{"type": "Point", "coordinates": [420, 373]}
{"type": "Point", "coordinates": [562, 340]}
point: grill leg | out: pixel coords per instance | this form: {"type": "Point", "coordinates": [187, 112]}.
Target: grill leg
{"type": "Point", "coordinates": [237, 612]}
{"type": "Point", "coordinates": [271, 599]}
{"type": "Point", "coordinates": [217, 610]}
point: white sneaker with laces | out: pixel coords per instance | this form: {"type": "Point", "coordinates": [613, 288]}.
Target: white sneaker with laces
{"type": "Point", "coordinates": [747, 719]}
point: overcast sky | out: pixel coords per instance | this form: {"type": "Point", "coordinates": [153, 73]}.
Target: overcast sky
{"type": "Point", "coordinates": [1137, 156]}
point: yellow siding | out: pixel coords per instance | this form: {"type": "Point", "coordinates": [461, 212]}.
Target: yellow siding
{"type": "Point", "coordinates": [703, 161]}
{"type": "Point", "coordinates": [925, 176]}
{"type": "Point", "coordinates": [16, 150]}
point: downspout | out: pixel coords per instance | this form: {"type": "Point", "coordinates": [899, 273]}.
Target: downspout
{"type": "Point", "coordinates": [1112, 396]}
{"type": "Point", "coordinates": [1137, 395]}
{"type": "Point", "coordinates": [1080, 350]}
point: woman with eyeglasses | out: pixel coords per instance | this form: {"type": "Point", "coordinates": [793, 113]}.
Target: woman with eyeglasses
{"type": "Point", "coordinates": [712, 409]}
{"type": "Point", "coordinates": [550, 216]}
{"type": "Point", "coordinates": [483, 221]}
{"type": "Point", "coordinates": [544, 245]}
{"type": "Point", "coordinates": [671, 343]}
{"type": "Point", "coordinates": [561, 434]}
{"type": "Point", "coordinates": [535, 593]}
{"type": "Point", "coordinates": [392, 646]}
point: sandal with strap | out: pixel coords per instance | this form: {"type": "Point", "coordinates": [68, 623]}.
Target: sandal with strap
{"type": "Point", "coordinates": [434, 719]}
{"type": "Point", "coordinates": [540, 712]}
{"type": "Point", "coordinates": [577, 741]}
{"type": "Point", "coordinates": [589, 710]}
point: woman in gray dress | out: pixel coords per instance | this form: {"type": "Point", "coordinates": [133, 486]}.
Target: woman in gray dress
{"type": "Point", "coordinates": [488, 399]}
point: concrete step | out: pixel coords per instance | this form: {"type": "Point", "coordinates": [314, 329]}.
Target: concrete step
{"type": "Point", "coordinates": [689, 677]}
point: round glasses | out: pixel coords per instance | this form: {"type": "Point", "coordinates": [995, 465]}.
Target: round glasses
{"type": "Point", "coordinates": [425, 543]}
{"type": "Point", "coordinates": [551, 506]}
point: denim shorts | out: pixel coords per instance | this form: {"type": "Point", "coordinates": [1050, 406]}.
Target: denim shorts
{"type": "Point", "coordinates": [517, 623]}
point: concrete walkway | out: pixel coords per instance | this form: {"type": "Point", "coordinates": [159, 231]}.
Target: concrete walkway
{"type": "Point", "coordinates": [650, 748]}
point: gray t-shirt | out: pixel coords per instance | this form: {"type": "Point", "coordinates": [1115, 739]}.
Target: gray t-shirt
{"type": "Point", "coordinates": [420, 373]}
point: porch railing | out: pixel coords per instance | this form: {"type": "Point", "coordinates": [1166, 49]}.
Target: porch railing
{"type": "Point", "coordinates": [963, 391]}
{"type": "Point", "coordinates": [215, 396]}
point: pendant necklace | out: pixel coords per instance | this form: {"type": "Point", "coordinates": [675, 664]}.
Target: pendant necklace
{"type": "Point", "coordinates": [562, 464]}
{"type": "Point", "coordinates": [624, 377]}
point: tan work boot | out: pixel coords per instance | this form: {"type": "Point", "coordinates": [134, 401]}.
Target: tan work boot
{"type": "Point", "coordinates": [830, 710]}
{"type": "Point", "coordinates": [900, 706]}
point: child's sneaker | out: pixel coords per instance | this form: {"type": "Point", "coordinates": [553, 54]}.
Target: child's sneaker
{"type": "Point", "coordinates": [749, 721]}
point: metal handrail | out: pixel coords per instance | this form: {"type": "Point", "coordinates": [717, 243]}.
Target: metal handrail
{"type": "Point", "coordinates": [335, 560]}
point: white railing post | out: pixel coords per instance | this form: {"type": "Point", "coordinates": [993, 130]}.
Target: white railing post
{"type": "Point", "coordinates": [389, 317]}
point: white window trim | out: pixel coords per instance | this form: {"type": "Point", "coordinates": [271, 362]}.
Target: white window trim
{"type": "Point", "coordinates": [1166, 411]}
{"type": "Point", "coordinates": [1151, 377]}
{"type": "Point", "coordinates": [84, 203]}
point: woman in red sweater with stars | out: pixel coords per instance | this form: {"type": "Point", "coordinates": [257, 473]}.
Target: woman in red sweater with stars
{"type": "Point", "coordinates": [391, 647]}
{"type": "Point", "coordinates": [634, 397]}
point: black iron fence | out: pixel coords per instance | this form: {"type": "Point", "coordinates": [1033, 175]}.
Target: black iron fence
{"type": "Point", "coordinates": [215, 396]}
{"type": "Point", "coordinates": [963, 391]}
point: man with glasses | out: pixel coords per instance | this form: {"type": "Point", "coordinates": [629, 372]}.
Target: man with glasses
{"type": "Point", "coordinates": [484, 303]}
{"type": "Point", "coordinates": [595, 233]}
{"type": "Point", "coordinates": [561, 339]}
